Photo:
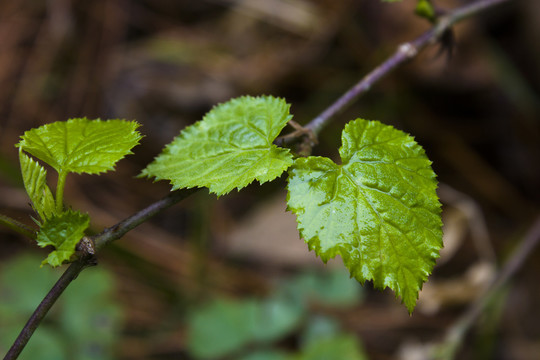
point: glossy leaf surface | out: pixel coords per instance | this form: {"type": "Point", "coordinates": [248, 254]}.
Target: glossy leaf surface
{"type": "Point", "coordinates": [35, 182]}
{"type": "Point", "coordinates": [378, 210]}
{"type": "Point", "coordinates": [81, 145]}
{"type": "Point", "coordinates": [230, 148]}
{"type": "Point", "coordinates": [63, 232]}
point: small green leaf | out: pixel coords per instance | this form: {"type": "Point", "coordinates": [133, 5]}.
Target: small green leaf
{"type": "Point", "coordinates": [63, 232]}
{"type": "Point", "coordinates": [35, 183]}
{"type": "Point", "coordinates": [424, 8]}
{"type": "Point", "coordinates": [378, 210]}
{"type": "Point", "coordinates": [81, 145]}
{"type": "Point", "coordinates": [230, 148]}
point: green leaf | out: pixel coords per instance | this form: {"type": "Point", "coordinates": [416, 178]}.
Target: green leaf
{"type": "Point", "coordinates": [224, 327]}
{"type": "Point", "coordinates": [342, 346]}
{"type": "Point", "coordinates": [35, 183]}
{"type": "Point", "coordinates": [425, 9]}
{"type": "Point", "coordinates": [331, 287]}
{"type": "Point", "coordinates": [220, 328]}
{"type": "Point", "coordinates": [63, 232]}
{"type": "Point", "coordinates": [81, 145]}
{"type": "Point", "coordinates": [378, 210]}
{"type": "Point", "coordinates": [230, 148]}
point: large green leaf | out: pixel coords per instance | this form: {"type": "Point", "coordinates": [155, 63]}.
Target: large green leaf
{"type": "Point", "coordinates": [378, 210]}
{"type": "Point", "coordinates": [230, 148]}
{"type": "Point", "coordinates": [63, 232]}
{"type": "Point", "coordinates": [81, 145]}
{"type": "Point", "coordinates": [35, 183]}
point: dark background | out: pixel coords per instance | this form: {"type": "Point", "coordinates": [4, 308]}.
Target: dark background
{"type": "Point", "coordinates": [165, 63]}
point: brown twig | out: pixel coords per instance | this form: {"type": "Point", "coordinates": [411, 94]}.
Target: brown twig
{"type": "Point", "coordinates": [456, 334]}
{"type": "Point", "coordinates": [403, 53]}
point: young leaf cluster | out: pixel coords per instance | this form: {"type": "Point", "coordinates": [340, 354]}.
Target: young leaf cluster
{"type": "Point", "coordinates": [377, 209]}
{"type": "Point", "coordinates": [74, 146]}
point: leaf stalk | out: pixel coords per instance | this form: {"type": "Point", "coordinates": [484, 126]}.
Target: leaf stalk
{"type": "Point", "coordinates": [62, 175]}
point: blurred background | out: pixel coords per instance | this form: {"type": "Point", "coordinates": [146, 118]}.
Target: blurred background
{"type": "Point", "coordinates": [229, 278]}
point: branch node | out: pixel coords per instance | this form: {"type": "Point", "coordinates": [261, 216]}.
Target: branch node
{"type": "Point", "coordinates": [408, 49]}
{"type": "Point", "coordinates": [87, 251]}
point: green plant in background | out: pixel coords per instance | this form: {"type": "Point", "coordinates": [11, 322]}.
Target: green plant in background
{"type": "Point", "coordinates": [85, 324]}
{"type": "Point", "coordinates": [225, 327]}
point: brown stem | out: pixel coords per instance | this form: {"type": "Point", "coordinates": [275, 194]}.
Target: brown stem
{"type": "Point", "coordinates": [456, 334]}
{"type": "Point", "coordinates": [403, 53]}
{"type": "Point", "coordinates": [43, 308]}
{"type": "Point", "coordinates": [87, 258]}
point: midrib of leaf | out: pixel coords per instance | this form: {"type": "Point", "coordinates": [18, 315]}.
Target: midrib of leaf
{"type": "Point", "coordinates": [358, 188]}
{"type": "Point", "coordinates": [382, 220]}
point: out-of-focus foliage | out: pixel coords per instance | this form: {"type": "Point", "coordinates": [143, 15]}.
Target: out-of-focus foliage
{"type": "Point", "coordinates": [84, 324]}
{"type": "Point", "coordinates": [224, 326]}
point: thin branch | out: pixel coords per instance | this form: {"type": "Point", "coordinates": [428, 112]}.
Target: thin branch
{"type": "Point", "coordinates": [117, 231]}
{"type": "Point", "coordinates": [18, 227]}
{"type": "Point", "coordinates": [67, 277]}
{"type": "Point", "coordinates": [403, 53]}
{"type": "Point", "coordinates": [87, 258]}
{"type": "Point", "coordinates": [456, 334]}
